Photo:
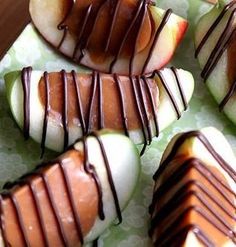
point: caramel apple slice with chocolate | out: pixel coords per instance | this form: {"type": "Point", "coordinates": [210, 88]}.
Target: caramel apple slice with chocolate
{"type": "Point", "coordinates": [216, 51]}
{"type": "Point", "coordinates": [194, 202]}
{"type": "Point", "coordinates": [57, 108]}
{"type": "Point", "coordinates": [121, 36]}
{"type": "Point", "coordinates": [73, 199]}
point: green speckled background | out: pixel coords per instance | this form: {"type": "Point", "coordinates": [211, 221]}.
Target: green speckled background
{"type": "Point", "coordinates": [18, 155]}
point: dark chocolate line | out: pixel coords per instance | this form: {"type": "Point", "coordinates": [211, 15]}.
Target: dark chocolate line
{"type": "Point", "coordinates": [65, 109]}
{"type": "Point", "coordinates": [141, 117]}
{"type": "Point", "coordinates": [79, 103]}
{"type": "Point", "coordinates": [122, 104]}
{"type": "Point", "coordinates": [90, 169]}
{"type": "Point", "coordinates": [72, 202]}
{"type": "Point", "coordinates": [144, 110]}
{"type": "Point", "coordinates": [85, 23]}
{"type": "Point", "coordinates": [137, 36]}
{"type": "Point", "coordinates": [114, 15]}
{"type": "Point", "coordinates": [127, 33]}
{"type": "Point", "coordinates": [154, 110]}
{"type": "Point", "coordinates": [19, 219]}
{"type": "Point", "coordinates": [91, 101]}
{"type": "Point", "coordinates": [46, 113]}
{"type": "Point", "coordinates": [109, 176]}
{"type": "Point", "coordinates": [100, 103]}
{"type": "Point", "coordinates": [213, 27]}
{"type": "Point", "coordinates": [2, 224]}
{"type": "Point", "coordinates": [39, 213]}
{"type": "Point", "coordinates": [179, 236]}
{"type": "Point", "coordinates": [156, 37]}
{"type": "Point", "coordinates": [26, 78]}
{"type": "Point", "coordinates": [169, 93]}
{"type": "Point", "coordinates": [55, 210]}
{"type": "Point", "coordinates": [62, 26]}
{"type": "Point", "coordinates": [217, 52]}
{"type": "Point", "coordinates": [183, 97]}
{"type": "Point", "coordinates": [207, 145]}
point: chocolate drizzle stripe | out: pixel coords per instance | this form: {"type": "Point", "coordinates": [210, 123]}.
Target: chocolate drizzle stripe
{"type": "Point", "coordinates": [156, 37]}
{"type": "Point", "coordinates": [82, 30]}
{"type": "Point", "coordinates": [144, 109]}
{"type": "Point", "coordinates": [154, 111]}
{"type": "Point", "coordinates": [179, 235]}
{"type": "Point", "coordinates": [64, 27]}
{"type": "Point", "coordinates": [55, 211]}
{"type": "Point", "coordinates": [142, 95]}
{"type": "Point", "coordinates": [2, 223]}
{"type": "Point", "coordinates": [114, 15]}
{"type": "Point", "coordinates": [181, 91]}
{"type": "Point", "coordinates": [219, 48]}
{"type": "Point", "coordinates": [166, 234]}
{"type": "Point", "coordinates": [141, 117]}
{"type": "Point", "coordinates": [137, 37]}
{"type": "Point", "coordinates": [225, 166]}
{"type": "Point", "coordinates": [91, 101]}
{"type": "Point", "coordinates": [26, 78]}
{"type": "Point", "coordinates": [90, 169]}
{"type": "Point", "coordinates": [46, 113]}
{"type": "Point", "coordinates": [20, 220]}
{"type": "Point", "coordinates": [100, 103]}
{"type": "Point", "coordinates": [213, 27]}
{"type": "Point", "coordinates": [65, 109]}
{"type": "Point", "coordinates": [79, 102]}
{"type": "Point", "coordinates": [226, 38]}
{"type": "Point", "coordinates": [127, 33]}
{"type": "Point", "coordinates": [72, 202]}
{"type": "Point", "coordinates": [39, 213]}
{"type": "Point", "coordinates": [202, 170]}
{"type": "Point", "coordinates": [169, 93]}
{"type": "Point", "coordinates": [83, 40]}
{"type": "Point", "coordinates": [109, 176]}
{"type": "Point", "coordinates": [168, 209]}
{"type": "Point", "coordinates": [122, 104]}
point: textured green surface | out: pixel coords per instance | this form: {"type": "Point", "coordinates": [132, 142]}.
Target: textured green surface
{"type": "Point", "coordinates": [17, 155]}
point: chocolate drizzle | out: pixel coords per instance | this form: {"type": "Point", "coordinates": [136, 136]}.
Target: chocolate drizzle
{"type": "Point", "coordinates": [88, 26]}
{"type": "Point", "coordinates": [225, 40]}
{"type": "Point", "coordinates": [142, 95]}
{"type": "Point", "coordinates": [173, 233]}
{"type": "Point", "coordinates": [25, 181]}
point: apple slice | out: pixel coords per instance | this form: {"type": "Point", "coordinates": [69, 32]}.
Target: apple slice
{"type": "Point", "coordinates": [194, 197]}
{"type": "Point", "coordinates": [215, 49]}
{"type": "Point", "coordinates": [123, 36]}
{"type": "Point", "coordinates": [57, 108]}
{"type": "Point", "coordinates": [73, 199]}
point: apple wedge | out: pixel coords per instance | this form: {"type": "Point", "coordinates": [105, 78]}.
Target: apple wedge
{"type": "Point", "coordinates": [123, 36]}
{"type": "Point", "coordinates": [73, 199]}
{"type": "Point", "coordinates": [215, 49]}
{"type": "Point", "coordinates": [195, 192]}
{"type": "Point", "coordinates": [57, 108]}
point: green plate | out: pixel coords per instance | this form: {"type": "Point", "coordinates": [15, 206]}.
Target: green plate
{"type": "Point", "coordinates": [17, 155]}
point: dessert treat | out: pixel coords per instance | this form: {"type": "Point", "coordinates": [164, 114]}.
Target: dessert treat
{"type": "Point", "coordinates": [57, 108]}
{"type": "Point", "coordinates": [73, 199]}
{"type": "Point", "coordinates": [194, 198]}
{"type": "Point", "coordinates": [123, 36]}
{"type": "Point", "coordinates": [215, 49]}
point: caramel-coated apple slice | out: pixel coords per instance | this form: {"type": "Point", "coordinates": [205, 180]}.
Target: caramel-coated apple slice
{"type": "Point", "coordinates": [57, 108]}
{"type": "Point", "coordinates": [194, 198]}
{"type": "Point", "coordinates": [73, 199]}
{"type": "Point", "coordinates": [121, 36]}
{"type": "Point", "coordinates": [215, 41]}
